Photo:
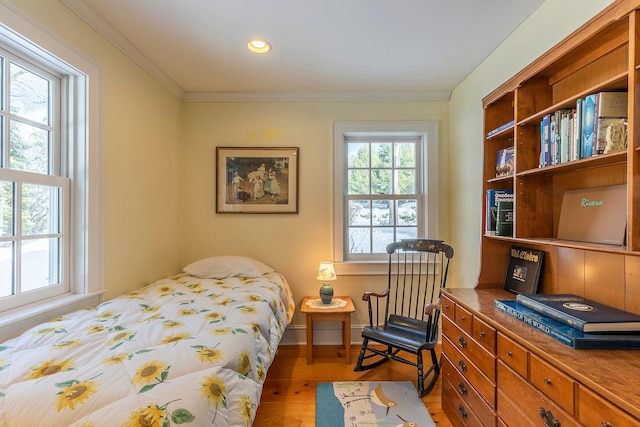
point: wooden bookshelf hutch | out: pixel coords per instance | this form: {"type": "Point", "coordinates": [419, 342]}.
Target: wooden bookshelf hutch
{"type": "Point", "coordinates": [496, 370]}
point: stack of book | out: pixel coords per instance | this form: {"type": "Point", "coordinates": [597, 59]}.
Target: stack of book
{"type": "Point", "coordinates": [576, 321]}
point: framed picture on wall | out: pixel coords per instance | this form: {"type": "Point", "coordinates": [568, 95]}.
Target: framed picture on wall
{"type": "Point", "coordinates": [257, 179]}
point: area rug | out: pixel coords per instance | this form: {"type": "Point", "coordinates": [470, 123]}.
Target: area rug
{"type": "Point", "coordinates": [370, 403]}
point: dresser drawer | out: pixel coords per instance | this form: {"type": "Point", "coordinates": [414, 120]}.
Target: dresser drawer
{"type": "Point", "coordinates": [519, 401]}
{"type": "Point", "coordinates": [464, 319]}
{"type": "Point", "coordinates": [467, 393]}
{"type": "Point", "coordinates": [466, 345]}
{"type": "Point", "coordinates": [552, 382]}
{"type": "Point", "coordinates": [457, 409]}
{"type": "Point", "coordinates": [484, 334]}
{"type": "Point", "coordinates": [512, 354]}
{"type": "Point", "coordinates": [510, 413]}
{"type": "Point", "coordinates": [448, 308]}
{"type": "Point", "coordinates": [484, 386]}
{"type": "Point", "coordinates": [594, 411]}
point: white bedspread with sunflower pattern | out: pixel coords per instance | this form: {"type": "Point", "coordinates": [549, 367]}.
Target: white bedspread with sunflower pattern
{"type": "Point", "coordinates": [183, 350]}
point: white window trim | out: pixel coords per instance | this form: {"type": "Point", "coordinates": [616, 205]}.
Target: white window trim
{"type": "Point", "coordinates": [429, 131]}
{"type": "Point", "coordinates": [86, 278]}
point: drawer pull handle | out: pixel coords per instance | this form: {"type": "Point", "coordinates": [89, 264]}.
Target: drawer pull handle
{"type": "Point", "coordinates": [547, 381]}
{"type": "Point", "coordinates": [606, 424]}
{"type": "Point", "coordinates": [462, 412]}
{"type": "Point", "coordinates": [481, 333]}
{"type": "Point", "coordinates": [548, 419]}
{"type": "Point", "coordinates": [462, 341]}
{"type": "Point", "coordinates": [508, 353]}
{"type": "Point", "coordinates": [463, 389]}
{"type": "Point", "coordinates": [462, 365]}
{"type": "Point", "coordinates": [462, 318]}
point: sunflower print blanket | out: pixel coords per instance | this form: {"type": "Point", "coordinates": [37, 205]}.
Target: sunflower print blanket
{"type": "Point", "coordinates": [183, 350]}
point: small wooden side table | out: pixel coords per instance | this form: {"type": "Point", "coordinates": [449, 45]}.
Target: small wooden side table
{"type": "Point", "coordinates": [331, 313]}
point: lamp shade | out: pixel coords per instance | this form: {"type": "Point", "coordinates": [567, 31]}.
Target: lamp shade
{"type": "Point", "coordinates": [326, 271]}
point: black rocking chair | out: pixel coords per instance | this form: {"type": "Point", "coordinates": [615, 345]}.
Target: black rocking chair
{"type": "Point", "coordinates": [409, 320]}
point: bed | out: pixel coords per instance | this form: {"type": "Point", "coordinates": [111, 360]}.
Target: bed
{"type": "Point", "coordinates": [190, 349]}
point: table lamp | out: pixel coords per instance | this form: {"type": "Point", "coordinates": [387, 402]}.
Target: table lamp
{"type": "Point", "coordinates": [326, 273]}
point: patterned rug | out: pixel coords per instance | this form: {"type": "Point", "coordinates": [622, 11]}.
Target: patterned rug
{"type": "Point", "coordinates": [370, 403]}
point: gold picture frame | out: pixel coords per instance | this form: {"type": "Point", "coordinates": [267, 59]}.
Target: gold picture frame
{"type": "Point", "coordinates": [260, 180]}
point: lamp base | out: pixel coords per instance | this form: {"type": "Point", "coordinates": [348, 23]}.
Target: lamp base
{"type": "Point", "coordinates": [326, 293]}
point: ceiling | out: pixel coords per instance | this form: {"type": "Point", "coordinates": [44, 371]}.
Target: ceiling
{"type": "Point", "coordinates": [322, 49]}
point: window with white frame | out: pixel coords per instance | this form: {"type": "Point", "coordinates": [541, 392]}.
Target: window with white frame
{"type": "Point", "coordinates": [384, 186]}
{"type": "Point", "coordinates": [34, 197]}
{"type": "Point", "coordinates": [49, 172]}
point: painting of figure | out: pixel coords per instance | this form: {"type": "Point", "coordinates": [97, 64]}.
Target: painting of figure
{"type": "Point", "coordinates": [251, 178]}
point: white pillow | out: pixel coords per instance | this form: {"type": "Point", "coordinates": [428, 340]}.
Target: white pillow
{"type": "Point", "coordinates": [219, 267]}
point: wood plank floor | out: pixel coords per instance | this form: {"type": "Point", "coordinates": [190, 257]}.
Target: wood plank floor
{"type": "Point", "coordinates": [288, 396]}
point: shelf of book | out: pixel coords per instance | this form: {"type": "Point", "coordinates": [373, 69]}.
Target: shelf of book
{"type": "Point", "coordinates": [615, 83]}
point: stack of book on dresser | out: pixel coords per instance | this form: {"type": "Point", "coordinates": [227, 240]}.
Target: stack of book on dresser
{"type": "Point", "coordinates": [575, 321]}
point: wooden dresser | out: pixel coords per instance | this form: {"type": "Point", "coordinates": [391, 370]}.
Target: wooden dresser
{"type": "Point", "coordinates": [498, 371]}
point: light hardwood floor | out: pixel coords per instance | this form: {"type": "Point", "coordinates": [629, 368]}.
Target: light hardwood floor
{"type": "Point", "coordinates": [288, 396]}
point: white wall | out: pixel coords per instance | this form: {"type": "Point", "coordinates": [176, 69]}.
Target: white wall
{"type": "Point", "coordinates": [550, 23]}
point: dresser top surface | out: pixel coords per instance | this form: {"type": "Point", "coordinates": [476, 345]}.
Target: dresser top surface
{"type": "Point", "coordinates": [614, 374]}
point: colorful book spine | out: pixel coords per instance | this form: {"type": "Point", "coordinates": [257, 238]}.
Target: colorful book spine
{"type": "Point", "coordinates": [588, 125]}
{"type": "Point", "coordinates": [577, 143]}
{"type": "Point", "coordinates": [546, 140]}
{"type": "Point", "coordinates": [530, 317]}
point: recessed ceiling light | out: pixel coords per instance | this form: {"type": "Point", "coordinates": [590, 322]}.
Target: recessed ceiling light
{"type": "Point", "coordinates": [259, 46]}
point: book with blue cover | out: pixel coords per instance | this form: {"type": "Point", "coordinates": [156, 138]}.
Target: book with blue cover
{"type": "Point", "coordinates": [581, 313]}
{"type": "Point", "coordinates": [588, 125]}
{"type": "Point", "coordinates": [566, 334]}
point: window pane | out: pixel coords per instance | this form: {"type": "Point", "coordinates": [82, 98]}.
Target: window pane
{"type": "Point", "coordinates": [40, 209]}
{"type": "Point", "coordinates": [6, 208]}
{"type": "Point", "coordinates": [359, 240]}
{"type": "Point", "coordinates": [382, 236]}
{"type": "Point", "coordinates": [407, 212]}
{"type": "Point", "coordinates": [405, 155]}
{"type": "Point", "coordinates": [40, 263]}
{"type": "Point", "coordinates": [406, 233]}
{"type": "Point", "coordinates": [381, 181]}
{"type": "Point", "coordinates": [358, 182]}
{"type": "Point", "coordinates": [29, 95]}
{"type": "Point", "coordinates": [358, 155]}
{"type": "Point", "coordinates": [382, 212]}
{"type": "Point", "coordinates": [359, 212]}
{"type": "Point", "coordinates": [29, 148]}
{"type": "Point", "coordinates": [405, 181]}
{"type": "Point", "coordinates": [6, 268]}
{"type": "Point", "coordinates": [381, 155]}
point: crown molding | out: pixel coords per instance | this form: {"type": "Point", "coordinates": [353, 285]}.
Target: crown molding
{"type": "Point", "coordinates": [328, 96]}
{"type": "Point", "coordinates": [99, 24]}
